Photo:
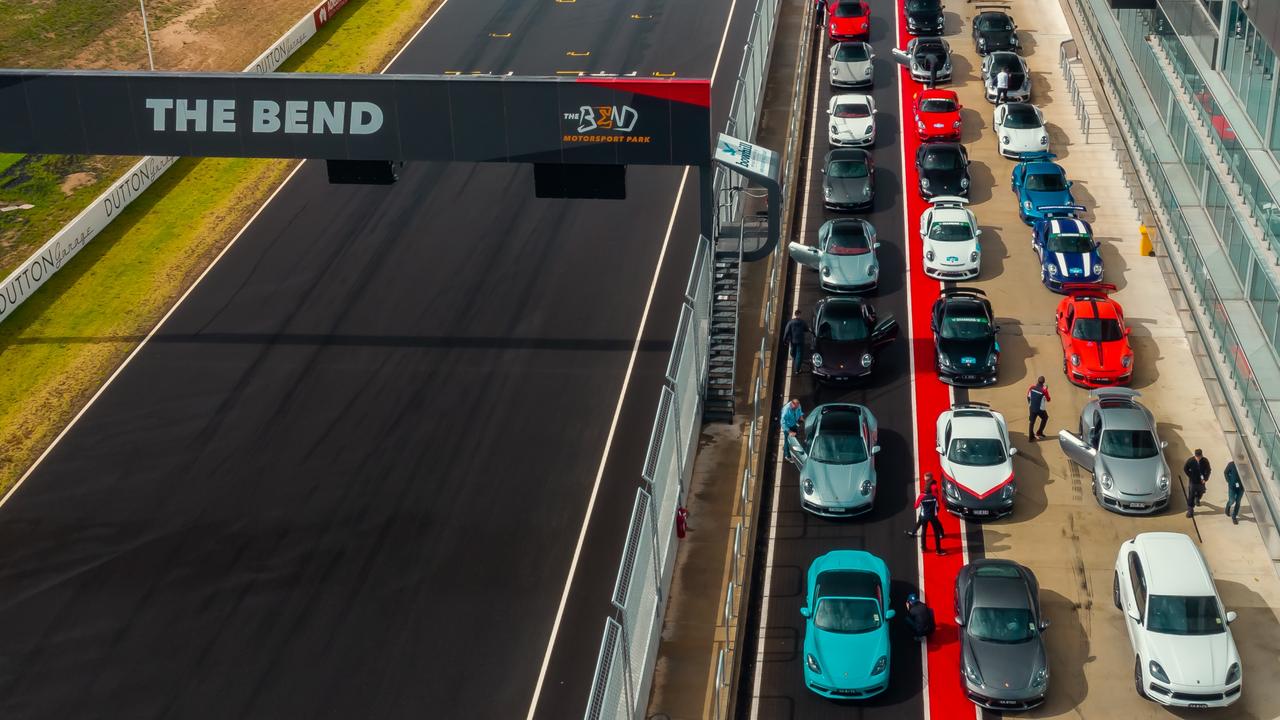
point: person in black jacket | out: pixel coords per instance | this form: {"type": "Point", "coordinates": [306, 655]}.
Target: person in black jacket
{"type": "Point", "coordinates": [1197, 471]}
{"type": "Point", "coordinates": [794, 332]}
{"type": "Point", "coordinates": [927, 514]}
{"type": "Point", "coordinates": [919, 617]}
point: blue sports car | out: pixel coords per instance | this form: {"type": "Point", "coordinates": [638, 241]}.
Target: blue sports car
{"type": "Point", "coordinates": [1066, 246]}
{"type": "Point", "coordinates": [846, 628]}
{"type": "Point", "coordinates": [1040, 183]}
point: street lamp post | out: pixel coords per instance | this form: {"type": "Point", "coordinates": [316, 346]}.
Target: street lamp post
{"type": "Point", "coordinates": [147, 34]}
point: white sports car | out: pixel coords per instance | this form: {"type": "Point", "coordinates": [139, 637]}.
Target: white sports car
{"type": "Point", "coordinates": [1020, 130]}
{"type": "Point", "coordinates": [950, 234]}
{"type": "Point", "coordinates": [977, 461]}
{"type": "Point", "coordinates": [853, 120]}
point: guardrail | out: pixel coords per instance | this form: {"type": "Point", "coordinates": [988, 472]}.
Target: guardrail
{"type": "Point", "coordinates": [75, 235]}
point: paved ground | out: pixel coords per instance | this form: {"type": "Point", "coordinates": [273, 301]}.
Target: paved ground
{"type": "Point", "coordinates": [347, 476]}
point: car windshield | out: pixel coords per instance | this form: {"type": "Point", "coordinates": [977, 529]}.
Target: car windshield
{"type": "Point", "coordinates": [1176, 615]}
{"type": "Point", "coordinates": [847, 615]}
{"type": "Point", "coordinates": [1021, 117]}
{"type": "Point", "coordinates": [976, 451]}
{"type": "Point", "coordinates": [851, 52]}
{"type": "Point", "coordinates": [950, 231]}
{"type": "Point", "coordinates": [994, 23]}
{"type": "Point", "coordinates": [849, 239]}
{"type": "Point", "coordinates": [966, 324]}
{"type": "Point", "coordinates": [937, 105]}
{"type": "Point", "coordinates": [1002, 625]}
{"type": "Point", "coordinates": [849, 9]}
{"type": "Point", "coordinates": [940, 160]}
{"type": "Point", "coordinates": [844, 322]}
{"type": "Point", "coordinates": [838, 447]}
{"type": "Point", "coordinates": [1045, 182]}
{"type": "Point", "coordinates": [852, 110]}
{"type": "Point", "coordinates": [1069, 244]}
{"type": "Point", "coordinates": [847, 169]}
{"type": "Point", "coordinates": [1129, 444]}
{"type": "Point", "coordinates": [1097, 329]}
{"type": "Point", "coordinates": [923, 5]}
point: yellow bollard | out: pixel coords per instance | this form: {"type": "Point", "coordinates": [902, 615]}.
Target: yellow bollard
{"type": "Point", "coordinates": [1144, 241]}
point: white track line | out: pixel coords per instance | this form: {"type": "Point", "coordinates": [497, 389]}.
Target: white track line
{"type": "Point", "coordinates": [786, 395]}
{"type": "Point", "coordinates": [31, 470]}
{"type": "Point", "coordinates": [617, 412]}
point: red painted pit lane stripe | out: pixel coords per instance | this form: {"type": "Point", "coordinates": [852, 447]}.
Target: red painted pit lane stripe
{"type": "Point", "coordinates": [946, 696]}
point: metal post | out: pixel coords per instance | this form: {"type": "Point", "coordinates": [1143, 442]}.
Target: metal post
{"type": "Point", "coordinates": [708, 199]}
{"type": "Point", "coordinates": [146, 32]}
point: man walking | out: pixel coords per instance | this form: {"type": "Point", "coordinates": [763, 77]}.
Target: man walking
{"type": "Point", "coordinates": [1037, 396]}
{"type": "Point", "coordinates": [919, 617]}
{"type": "Point", "coordinates": [794, 332]}
{"type": "Point", "coordinates": [927, 514]}
{"type": "Point", "coordinates": [1197, 471]}
{"type": "Point", "coordinates": [792, 416]}
{"type": "Point", "coordinates": [820, 14]}
{"type": "Point", "coordinates": [1235, 491]}
{"type": "Point", "coordinates": [1002, 85]}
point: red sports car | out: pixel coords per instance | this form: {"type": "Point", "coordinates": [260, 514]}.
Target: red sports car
{"type": "Point", "coordinates": [1095, 341]}
{"type": "Point", "coordinates": [848, 20]}
{"type": "Point", "coordinates": [938, 115]}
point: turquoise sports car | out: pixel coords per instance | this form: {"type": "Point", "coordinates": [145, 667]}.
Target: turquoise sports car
{"type": "Point", "coordinates": [846, 628]}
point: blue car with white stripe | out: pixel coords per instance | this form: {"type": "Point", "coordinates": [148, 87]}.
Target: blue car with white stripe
{"type": "Point", "coordinates": [1066, 246]}
{"type": "Point", "coordinates": [1038, 182]}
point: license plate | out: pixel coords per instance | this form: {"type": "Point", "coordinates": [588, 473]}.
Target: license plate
{"type": "Point", "coordinates": [1138, 506]}
{"type": "Point", "coordinates": [981, 512]}
{"type": "Point", "coordinates": [1198, 705]}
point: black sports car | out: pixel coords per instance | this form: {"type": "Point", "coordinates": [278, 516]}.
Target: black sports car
{"type": "Point", "coordinates": [924, 17]}
{"type": "Point", "coordinates": [847, 337]}
{"type": "Point", "coordinates": [943, 169]}
{"type": "Point", "coordinates": [994, 30]}
{"type": "Point", "coordinates": [850, 180]}
{"type": "Point", "coordinates": [964, 338]}
{"type": "Point", "coordinates": [1002, 653]}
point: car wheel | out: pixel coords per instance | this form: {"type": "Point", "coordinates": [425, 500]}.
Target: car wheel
{"type": "Point", "coordinates": [1137, 678]}
{"type": "Point", "coordinates": [1115, 583]}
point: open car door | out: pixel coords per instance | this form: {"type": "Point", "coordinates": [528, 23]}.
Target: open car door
{"type": "Point", "coordinates": [1077, 450]}
{"type": "Point", "coordinates": [902, 58]}
{"type": "Point", "coordinates": [806, 255]}
{"type": "Point", "coordinates": [884, 333]}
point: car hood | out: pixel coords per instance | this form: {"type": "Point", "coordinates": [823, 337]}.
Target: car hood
{"type": "Point", "coordinates": [846, 190]}
{"type": "Point", "coordinates": [839, 484]}
{"type": "Point", "coordinates": [852, 127]}
{"type": "Point", "coordinates": [850, 71]}
{"type": "Point", "coordinates": [1073, 266]}
{"type": "Point", "coordinates": [938, 122]}
{"type": "Point", "coordinates": [951, 251]}
{"type": "Point", "coordinates": [847, 659]}
{"type": "Point", "coordinates": [1193, 659]}
{"type": "Point", "coordinates": [1102, 357]}
{"type": "Point", "coordinates": [980, 480]}
{"type": "Point", "coordinates": [944, 182]}
{"type": "Point", "coordinates": [997, 39]}
{"type": "Point", "coordinates": [1045, 198]}
{"type": "Point", "coordinates": [1023, 138]}
{"type": "Point", "coordinates": [1132, 477]}
{"type": "Point", "coordinates": [842, 356]}
{"type": "Point", "coordinates": [1006, 665]}
{"type": "Point", "coordinates": [967, 354]}
{"type": "Point", "coordinates": [848, 269]}
{"type": "Point", "coordinates": [849, 25]}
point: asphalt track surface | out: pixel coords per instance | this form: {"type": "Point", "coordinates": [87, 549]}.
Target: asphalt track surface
{"type": "Point", "coordinates": [802, 537]}
{"type": "Point", "coordinates": [347, 476]}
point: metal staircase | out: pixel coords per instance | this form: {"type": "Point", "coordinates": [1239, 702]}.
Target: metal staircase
{"type": "Point", "coordinates": [726, 285]}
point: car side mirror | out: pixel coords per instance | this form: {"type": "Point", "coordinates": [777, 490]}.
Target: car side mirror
{"type": "Point", "coordinates": [1133, 613]}
{"type": "Point", "coordinates": [1044, 625]}
{"type": "Point", "coordinates": [939, 449]}
{"type": "Point", "coordinates": [959, 621]}
{"type": "Point", "coordinates": [823, 171]}
{"type": "Point", "coordinates": [1013, 451]}
{"type": "Point", "coordinates": [804, 612]}
{"type": "Point", "coordinates": [1231, 616]}
{"type": "Point", "coordinates": [828, 111]}
{"type": "Point", "coordinates": [1126, 331]}
{"type": "Point", "coordinates": [977, 233]}
{"type": "Point", "coordinates": [875, 449]}
{"type": "Point", "coordinates": [1070, 183]}
{"type": "Point", "coordinates": [876, 246]}
{"type": "Point", "coordinates": [959, 107]}
{"type": "Point", "coordinates": [1164, 444]}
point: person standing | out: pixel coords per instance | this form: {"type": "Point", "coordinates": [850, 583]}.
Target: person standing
{"type": "Point", "coordinates": [1037, 396]}
{"type": "Point", "coordinates": [1002, 85]}
{"type": "Point", "coordinates": [927, 515]}
{"type": "Point", "coordinates": [919, 617]}
{"type": "Point", "coordinates": [792, 416]}
{"type": "Point", "coordinates": [1235, 491]}
{"type": "Point", "coordinates": [794, 332]}
{"type": "Point", "coordinates": [820, 14]}
{"type": "Point", "coordinates": [1197, 470]}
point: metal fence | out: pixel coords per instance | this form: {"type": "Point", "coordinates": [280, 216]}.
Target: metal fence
{"type": "Point", "coordinates": [628, 646]}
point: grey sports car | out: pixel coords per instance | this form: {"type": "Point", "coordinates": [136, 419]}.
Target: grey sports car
{"type": "Point", "coordinates": [836, 460]}
{"type": "Point", "coordinates": [1119, 445]}
{"type": "Point", "coordinates": [845, 256]}
{"type": "Point", "coordinates": [851, 64]}
{"type": "Point", "coordinates": [1002, 652]}
{"type": "Point", "coordinates": [1019, 76]}
{"type": "Point", "coordinates": [850, 179]}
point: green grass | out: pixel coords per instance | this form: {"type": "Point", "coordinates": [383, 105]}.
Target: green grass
{"type": "Point", "coordinates": [45, 34]}
{"type": "Point", "coordinates": [8, 159]}
{"type": "Point", "coordinates": [62, 344]}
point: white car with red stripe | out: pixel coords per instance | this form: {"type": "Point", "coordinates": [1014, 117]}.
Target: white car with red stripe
{"type": "Point", "coordinates": [977, 461]}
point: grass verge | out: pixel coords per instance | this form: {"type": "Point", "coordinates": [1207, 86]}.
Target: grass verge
{"type": "Point", "coordinates": [62, 344]}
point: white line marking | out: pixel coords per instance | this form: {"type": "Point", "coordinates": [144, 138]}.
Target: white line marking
{"type": "Point", "coordinates": [617, 412]}
{"type": "Point", "coordinates": [31, 470]}
{"type": "Point", "coordinates": [786, 394]}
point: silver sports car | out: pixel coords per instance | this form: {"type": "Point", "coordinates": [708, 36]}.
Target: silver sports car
{"type": "Point", "coordinates": [845, 256]}
{"type": "Point", "coordinates": [1002, 654]}
{"type": "Point", "coordinates": [1119, 445]}
{"type": "Point", "coordinates": [851, 64]}
{"type": "Point", "coordinates": [836, 460]}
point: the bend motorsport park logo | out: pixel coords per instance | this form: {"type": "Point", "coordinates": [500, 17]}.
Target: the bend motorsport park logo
{"type": "Point", "coordinates": [603, 123]}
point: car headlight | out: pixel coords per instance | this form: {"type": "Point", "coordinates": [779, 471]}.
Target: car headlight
{"type": "Point", "coordinates": [865, 487]}
{"type": "Point", "coordinates": [1008, 492]}
{"type": "Point", "coordinates": [949, 488]}
{"type": "Point", "coordinates": [928, 255]}
{"type": "Point", "coordinates": [1004, 139]}
{"type": "Point", "coordinates": [1026, 204]}
{"type": "Point", "coordinates": [964, 182]}
{"type": "Point", "coordinates": [881, 664]}
{"type": "Point", "coordinates": [1108, 482]}
{"type": "Point", "coordinates": [1075, 360]}
{"type": "Point", "coordinates": [1127, 360]}
{"type": "Point", "coordinates": [867, 71]}
{"type": "Point", "coordinates": [870, 129]}
{"type": "Point", "coordinates": [866, 190]}
{"type": "Point", "coordinates": [944, 361]}
{"type": "Point", "coordinates": [1157, 672]}
{"type": "Point", "coordinates": [867, 360]}
{"type": "Point", "coordinates": [835, 70]}
{"type": "Point", "coordinates": [835, 131]}
{"type": "Point", "coordinates": [1044, 139]}
{"type": "Point", "coordinates": [973, 256]}
{"type": "Point", "coordinates": [920, 124]}
{"type": "Point", "coordinates": [955, 125]}
{"type": "Point", "coordinates": [812, 662]}
{"type": "Point", "coordinates": [982, 42]}
{"type": "Point", "coordinates": [826, 271]}
{"type": "Point", "coordinates": [1233, 673]}
{"type": "Point", "coordinates": [817, 360]}
{"type": "Point", "coordinates": [992, 359]}
{"type": "Point", "coordinates": [807, 485]}
{"type": "Point", "coordinates": [873, 269]}
{"type": "Point", "coordinates": [1051, 269]}
{"type": "Point", "coordinates": [1162, 482]}
{"type": "Point", "coordinates": [924, 183]}
{"type": "Point", "coordinates": [971, 672]}
{"type": "Point", "coordinates": [1097, 269]}
{"type": "Point", "coordinates": [1041, 677]}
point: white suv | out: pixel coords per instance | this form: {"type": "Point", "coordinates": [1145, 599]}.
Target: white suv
{"type": "Point", "coordinates": [949, 232]}
{"type": "Point", "coordinates": [1183, 651]}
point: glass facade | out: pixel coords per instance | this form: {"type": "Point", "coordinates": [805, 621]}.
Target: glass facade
{"type": "Point", "coordinates": [1249, 66]}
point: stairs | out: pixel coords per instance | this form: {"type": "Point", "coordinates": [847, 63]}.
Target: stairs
{"type": "Point", "coordinates": [726, 281]}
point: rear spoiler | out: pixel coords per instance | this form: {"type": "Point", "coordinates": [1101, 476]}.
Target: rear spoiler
{"type": "Point", "coordinates": [946, 200]}
{"type": "Point", "coordinates": [1075, 289]}
{"type": "Point", "coordinates": [971, 404]}
{"type": "Point", "coordinates": [1062, 210]}
{"type": "Point", "coordinates": [1037, 156]}
{"type": "Point", "coordinates": [1114, 392]}
{"type": "Point", "coordinates": [947, 291]}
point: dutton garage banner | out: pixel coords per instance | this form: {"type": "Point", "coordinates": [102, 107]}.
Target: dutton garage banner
{"type": "Point", "coordinates": [585, 120]}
